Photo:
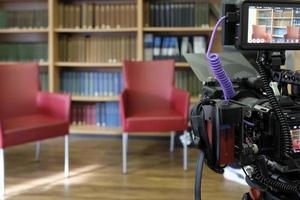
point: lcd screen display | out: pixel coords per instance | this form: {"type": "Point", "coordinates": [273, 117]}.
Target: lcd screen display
{"type": "Point", "coordinates": [273, 25]}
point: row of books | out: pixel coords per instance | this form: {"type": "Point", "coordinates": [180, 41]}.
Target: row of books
{"type": "Point", "coordinates": [28, 51]}
{"type": "Point", "coordinates": [44, 83]}
{"type": "Point", "coordinates": [187, 80]}
{"type": "Point", "coordinates": [97, 48]}
{"type": "Point", "coordinates": [91, 83]}
{"type": "Point", "coordinates": [296, 22]}
{"type": "Point", "coordinates": [101, 114]}
{"type": "Point", "coordinates": [179, 14]}
{"type": "Point", "coordinates": [172, 47]}
{"type": "Point", "coordinates": [104, 16]}
{"type": "Point", "coordinates": [23, 18]}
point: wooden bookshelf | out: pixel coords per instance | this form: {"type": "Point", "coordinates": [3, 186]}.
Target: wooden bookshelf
{"type": "Point", "coordinates": [107, 65]}
{"type": "Point", "coordinates": [24, 30]}
{"type": "Point", "coordinates": [91, 30]}
{"type": "Point", "coordinates": [94, 130]}
{"type": "Point", "coordinates": [52, 35]}
{"type": "Point", "coordinates": [182, 65]}
{"type": "Point", "coordinates": [41, 64]}
{"type": "Point", "coordinates": [179, 29]}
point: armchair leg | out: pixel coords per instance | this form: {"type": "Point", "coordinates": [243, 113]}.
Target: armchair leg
{"type": "Point", "coordinates": [172, 141]}
{"type": "Point", "coordinates": [185, 157]}
{"type": "Point", "coordinates": [124, 152]}
{"type": "Point", "coordinates": [37, 151]}
{"type": "Point", "coordinates": [66, 156]}
{"type": "Point", "coordinates": [185, 140]}
{"type": "Point", "coordinates": [2, 174]}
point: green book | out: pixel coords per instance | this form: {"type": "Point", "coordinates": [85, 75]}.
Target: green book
{"type": "Point", "coordinates": [2, 19]}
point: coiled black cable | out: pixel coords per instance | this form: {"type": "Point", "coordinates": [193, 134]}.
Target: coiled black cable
{"type": "Point", "coordinates": [285, 129]}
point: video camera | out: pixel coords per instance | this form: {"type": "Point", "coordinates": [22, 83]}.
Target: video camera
{"type": "Point", "coordinates": [254, 121]}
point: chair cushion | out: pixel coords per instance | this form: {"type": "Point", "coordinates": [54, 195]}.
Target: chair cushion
{"type": "Point", "coordinates": [31, 128]}
{"type": "Point", "coordinates": [155, 120]}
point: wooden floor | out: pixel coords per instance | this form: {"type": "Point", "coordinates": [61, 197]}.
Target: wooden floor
{"type": "Point", "coordinates": [154, 173]}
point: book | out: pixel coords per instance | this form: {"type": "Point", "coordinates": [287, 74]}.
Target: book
{"type": "Point", "coordinates": [89, 48]}
{"type": "Point", "coordinates": [148, 46]}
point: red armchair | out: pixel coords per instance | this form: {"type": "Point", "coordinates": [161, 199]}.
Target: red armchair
{"type": "Point", "coordinates": [27, 115]}
{"type": "Point", "coordinates": [293, 33]}
{"type": "Point", "coordinates": [151, 103]}
{"type": "Point", "coordinates": [260, 32]}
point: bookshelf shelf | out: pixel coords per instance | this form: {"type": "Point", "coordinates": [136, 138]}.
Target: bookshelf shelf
{"type": "Point", "coordinates": [284, 27]}
{"type": "Point", "coordinates": [179, 29]}
{"type": "Point", "coordinates": [42, 64]}
{"type": "Point", "coordinates": [24, 30]}
{"type": "Point", "coordinates": [94, 130]}
{"type": "Point", "coordinates": [79, 64]}
{"type": "Point", "coordinates": [264, 17]}
{"type": "Point", "coordinates": [80, 30]}
{"type": "Point", "coordinates": [182, 65]}
{"type": "Point", "coordinates": [95, 99]}
{"type": "Point", "coordinates": [288, 18]}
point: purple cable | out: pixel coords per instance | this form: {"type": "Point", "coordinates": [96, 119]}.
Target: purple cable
{"type": "Point", "coordinates": [248, 123]}
{"type": "Point", "coordinates": [216, 66]}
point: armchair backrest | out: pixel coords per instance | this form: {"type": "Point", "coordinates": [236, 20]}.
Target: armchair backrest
{"type": "Point", "coordinates": [259, 31]}
{"type": "Point", "coordinates": [149, 83]}
{"type": "Point", "coordinates": [18, 89]}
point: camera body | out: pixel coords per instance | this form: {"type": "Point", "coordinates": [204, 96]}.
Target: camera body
{"type": "Point", "coordinates": [234, 140]}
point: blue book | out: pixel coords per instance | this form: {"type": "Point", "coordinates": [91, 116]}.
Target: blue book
{"type": "Point", "coordinates": [157, 45]}
{"type": "Point", "coordinates": [116, 84]}
{"type": "Point", "coordinates": [81, 83]}
{"type": "Point", "coordinates": [110, 84]}
{"type": "Point", "coordinates": [121, 82]}
{"type": "Point", "coordinates": [109, 114]}
{"type": "Point", "coordinates": [96, 82]}
{"type": "Point", "coordinates": [63, 82]}
{"type": "Point", "coordinates": [103, 114]}
{"type": "Point", "coordinates": [91, 84]}
{"type": "Point", "coordinates": [100, 81]}
{"type": "Point", "coordinates": [68, 84]}
{"type": "Point", "coordinates": [86, 84]}
{"type": "Point", "coordinates": [77, 83]}
{"type": "Point", "coordinates": [118, 116]}
{"type": "Point", "coordinates": [74, 83]}
{"type": "Point", "coordinates": [113, 114]}
{"type": "Point", "coordinates": [105, 84]}
{"type": "Point", "coordinates": [98, 115]}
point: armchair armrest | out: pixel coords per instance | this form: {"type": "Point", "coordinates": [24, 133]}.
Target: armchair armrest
{"type": "Point", "coordinates": [57, 105]}
{"type": "Point", "coordinates": [123, 105]}
{"type": "Point", "coordinates": [181, 101]}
